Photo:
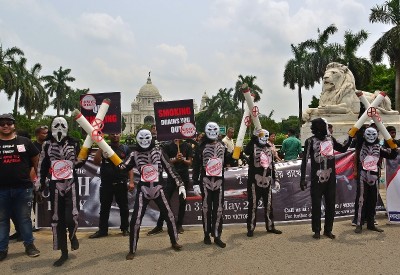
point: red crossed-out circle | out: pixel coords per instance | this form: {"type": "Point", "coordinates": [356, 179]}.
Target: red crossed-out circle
{"type": "Point", "coordinates": [255, 111]}
{"type": "Point", "coordinates": [97, 135]}
{"type": "Point", "coordinates": [371, 112]}
{"type": "Point", "coordinates": [98, 124]}
{"type": "Point", "coordinates": [247, 121]}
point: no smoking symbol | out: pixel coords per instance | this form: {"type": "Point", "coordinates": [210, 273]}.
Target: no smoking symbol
{"type": "Point", "coordinates": [255, 111]}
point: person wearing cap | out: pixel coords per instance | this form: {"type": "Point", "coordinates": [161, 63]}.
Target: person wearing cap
{"type": "Point", "coordinates": [113, 184]}
{"type": "Point", "coordinates": [392, 131]}
{"type": "Point", "coordinates": [17, 156]}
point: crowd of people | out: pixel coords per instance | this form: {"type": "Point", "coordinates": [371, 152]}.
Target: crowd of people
{"type": "Point", "coordinates": [27, 169]}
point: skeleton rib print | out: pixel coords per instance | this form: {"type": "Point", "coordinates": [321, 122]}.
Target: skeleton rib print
{"type": "Point", "coordinates": [214, 150]}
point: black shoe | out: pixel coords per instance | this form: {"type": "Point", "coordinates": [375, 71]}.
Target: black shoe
{"type": "Point", "coordinates": [180, 229]}
{"type": "Point", "coordinates": [154, 231]}
{"type": "Point", "coordinates": [316, 235]}
{"type": "Point", "coordinates": [220, 243]}
{"type": "Point", "coordinates": [125, 232]}
{"type": "Point", "coordinates": [275, 231]}
{"type": "Point", "coordinates": [14, 236]}
{"type": "Point", "coordinates": [31, 250]}
{"type": "Point", "coordinates": [62, 260]}
{"type": "Point", "coordinates": [249, 233]}
{"type": "Point", "coordinates": [207, 240]}
{"type": "Point", "coordinates": [176, 246]}
{"type": "Point", "coordinates": [329, 235]}
{"type": "Point", "coordinates": [3, 255]}
{"type": "Point", "coordinates": [358, 229]}
{"type": "Point", "coordinates": [74, 243]}
{"type": "Point", "coordinates": [130, 256]}
{"type": "Point", "coordinates": [374, 228]}
{"type": "Point", "coordinates": [98, 234]}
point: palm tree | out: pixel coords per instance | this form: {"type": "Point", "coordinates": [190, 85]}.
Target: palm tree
{"type": "Point", "coordinates": [254, 89]}
{"type": "Point", "coordinates": [389, 43]}
{"type": "Point", "coordinates": [322, 53]}
{"type": "Point", "coordinates": [7, 57]}
{"type": "Point", "coordinates": [71, 101]}
{"type": "Point", "coordinates": [299, 71]}
{"type": "Point", "coordinates": [360, 67]}
{"type": "Point", "coordinates": [57, 85]}
{"type": "Point", "coordinates": [34, 98]}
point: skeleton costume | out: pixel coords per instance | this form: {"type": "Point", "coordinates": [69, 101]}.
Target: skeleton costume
{"type": "Point", "coordinates": [150, 160]}
{"type": "Point", "coordinates": [57, 164]}
{"type": "Point", "coordinates": [208, 172]}
{"type": "Point", "coordinates": [369, 154]}
{"type": "Point", "coordinates": [319, 148]}
{"type": "Point", "coordinates": [261, 176]}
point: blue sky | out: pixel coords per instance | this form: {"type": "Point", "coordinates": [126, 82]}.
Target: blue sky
{"type": "Point", "coordinates": [189, 46]}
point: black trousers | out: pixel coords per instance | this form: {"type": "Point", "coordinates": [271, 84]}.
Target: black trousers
{"type": "Point", "coordinates": [109, 190]}
{"type": "Point", "coordinates": [367, 203]}
{"type": "Point", "coordinates": [65, 212]}
{"type": "Point", "coordinates": [139, 209]}
{"type": "Point", "coordinates": [169, 191]}
{"type": "Point", "coordinates": [212, 211]}
{"type": "Point", "coordinates": [328, 191]}
{"type": "Point", "coordinates": [254, 194]}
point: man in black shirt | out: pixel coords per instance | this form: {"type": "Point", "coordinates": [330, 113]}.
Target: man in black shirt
{"type": "Point", "coordinates": [180, 154]}
{"type": "Point", "coordinates": [113, 183]}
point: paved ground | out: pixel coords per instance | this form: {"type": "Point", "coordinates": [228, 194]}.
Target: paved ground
{"type": "Point", "coordinates": [293, 252]}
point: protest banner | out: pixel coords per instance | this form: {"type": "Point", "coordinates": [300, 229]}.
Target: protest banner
{"type": "Point", "coordinates": [393, 189]}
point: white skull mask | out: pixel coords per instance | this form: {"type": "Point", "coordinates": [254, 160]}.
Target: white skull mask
{"type": "Point", "coordinates": [370, 134]}
{"type": "Point", "coordinates": [59, 128]}
{"type": "Point", "coordinates": [263, 136]}
{"type": "Point", "coordinates": [212, 130]}
{"type": "Point", "coordinates": [143, 138]}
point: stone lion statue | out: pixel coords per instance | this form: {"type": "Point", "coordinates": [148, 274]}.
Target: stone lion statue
{"type": "Point", "coordinates": [339, 94]}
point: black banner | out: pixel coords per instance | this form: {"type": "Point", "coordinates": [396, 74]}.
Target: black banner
{"type": "Point", "coordinates": [174, 119]}
{"type": "Point", "coordinates": [90, 104]}
{"type": "Point", "coordinates": [289, 202]}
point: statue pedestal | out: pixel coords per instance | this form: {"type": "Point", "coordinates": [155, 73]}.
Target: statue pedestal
{"type": "Point", "coordinates": [343, 122]}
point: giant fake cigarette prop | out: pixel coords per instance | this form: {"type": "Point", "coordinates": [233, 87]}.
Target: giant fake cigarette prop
{"type": "Point", "coordinates": [253, 109]}
{"type": "Point", "coordinates": [84, 152]}
{"type": "Point", "coordinates": [365, 115]}
{"type": "Point", "coordinates": [372, 111]}
{"type": "Point", "coordinates": [246, 120]}
{"type": "Point", "coordinates": [88, 128]}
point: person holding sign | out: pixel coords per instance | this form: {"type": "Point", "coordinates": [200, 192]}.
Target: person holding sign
{"type": "Point", "coordinates": [208, 176]}
{"type": "Point", "coordinates": [180, 154]}
{"type": "Point", "coordinates": [150, 160]}
{"type": "Point", "coordinates": [369, 154]}
{"type": "Point", "coordinates": [58, 163]}
{"type": "Point", "coordinates": [319, 148]}
{"type": "Point", "coordinates": [261, 177]}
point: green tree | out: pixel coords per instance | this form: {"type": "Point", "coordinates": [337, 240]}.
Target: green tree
{"type": "Point", "coordinates": [254, 89]}
{"type": "Point", "coordinates": [298, 71]}
{"type": "Point", "coordinates": [314, 102]}
{"type": "Point", "coordinates": [389, 43]}
{"type": "Point", "coordinates": [383, 79]}
{"type": "Point", "coordinates": [321, 52]}
{"type": "Point", "coordinates": [71, 101]}
{"type": "Point", "coordinates": [359, 66]}
{"type": "Point", "coordinates": [7, 57]}
{"type": "Point", "coordinates": [56, 85]}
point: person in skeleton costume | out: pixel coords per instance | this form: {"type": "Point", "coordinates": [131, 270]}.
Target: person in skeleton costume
{"type": "Point", "coordinates": [57, 164]}
{"type": "Point", "coordinates": [260, 179]}
{"type": "Point", "coordinates": [369, 154]}
{"type": "Point", "coordinates": [319, 148]}
{"type": "Point", "coordinates": [150, 160]}
{"type": "Point", "coordinates": [208, 177]}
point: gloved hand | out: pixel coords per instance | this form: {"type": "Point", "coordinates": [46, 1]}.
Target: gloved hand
{"type": "Point", "coordinates": [256, 132]}
{"type": "Point", "coordinates": [105, 154]}
{"type": "Point", "coordinates": [182, 191]}
{"type": "Point", "coordinates": [196, 189]}
{"type": "Point", "coordinates": [277, 185]}
{"type": "Point", "coordinates": [245, 86]}
{"type": "Point", "coordinates": [122, 166]}
{"type": "Point", "coordinates": [303, 185]}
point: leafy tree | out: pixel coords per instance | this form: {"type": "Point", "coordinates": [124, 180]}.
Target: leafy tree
{"type": "Point", "coordinates": [389, 43]}
{"type": "Point", "coordinates": [57, 86]}
{"type": "Point", "coordinates": [314, 102]}
{"type": "Point", "coordinates": [7, 57]}
{"type": "Point", "coordinates": [298, 71]}
{"type": "Point", "coordinates": [254, 89]}
{"type": "Point", "coordinates": [360, 67]}
{"type": "Point", "coordinates": [383, 79]}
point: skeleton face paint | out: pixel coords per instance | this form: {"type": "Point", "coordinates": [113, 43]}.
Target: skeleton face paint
{"type": "Point", "coordinates": [370, 134]}
{"type": "Point", "coordinates": [59, 128]}
{"type": "Point", "coordinates": [144, 138]}
{"type": "Point", "coordinates": [263, 137]}
{"type": "Point", "coordinates": [212, 130]}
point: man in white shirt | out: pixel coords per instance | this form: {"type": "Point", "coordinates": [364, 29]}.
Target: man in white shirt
{"type": "Point", "coordinates": [230, 145]}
